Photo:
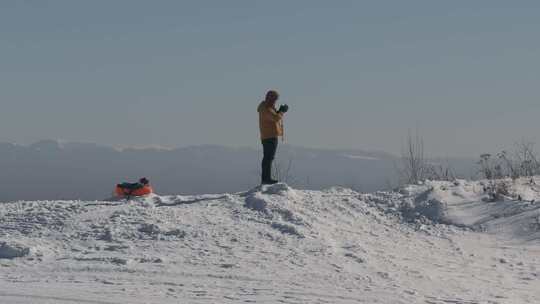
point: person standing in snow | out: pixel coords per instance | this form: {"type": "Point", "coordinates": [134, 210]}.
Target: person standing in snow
{"type": "Point", "coordinates": [271, 127]}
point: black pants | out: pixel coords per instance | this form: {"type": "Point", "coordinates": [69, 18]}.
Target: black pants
{"type": "Point", "coordinates": [269, 153]}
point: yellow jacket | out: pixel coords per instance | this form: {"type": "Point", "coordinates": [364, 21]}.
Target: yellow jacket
{"type": "Point", "coordinates": [270, 121]}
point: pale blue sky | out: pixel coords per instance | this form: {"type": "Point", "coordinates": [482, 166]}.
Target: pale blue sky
{"type": "Point", "coordinates": [357, 74]}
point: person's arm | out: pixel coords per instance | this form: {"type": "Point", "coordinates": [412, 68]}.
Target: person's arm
{"type": "Point", "coordinates": [272, 115]}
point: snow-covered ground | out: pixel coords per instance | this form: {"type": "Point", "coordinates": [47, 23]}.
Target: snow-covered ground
{"type": "Point", "coordinates": [440, 242]}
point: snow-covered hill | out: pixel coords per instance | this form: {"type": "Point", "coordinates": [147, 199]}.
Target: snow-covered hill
{"type": "Point", "coordinates": [439, 242]}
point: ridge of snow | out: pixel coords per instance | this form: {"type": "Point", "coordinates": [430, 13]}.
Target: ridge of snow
{"type": "Point", "coordinates": [466, 204]}
{"type": "Point", "coordinates": [438, 242]}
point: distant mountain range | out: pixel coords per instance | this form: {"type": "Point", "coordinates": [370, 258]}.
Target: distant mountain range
{"type": "Point", "coordinates": [56, 170]}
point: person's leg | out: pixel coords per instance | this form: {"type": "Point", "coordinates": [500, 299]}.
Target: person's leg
{"type": "Point", "coordinates": [266, 161]}
{"type": "Point", "coordinates": [273, 151]}
{"type": "Point", "coordinates": [269, 153]}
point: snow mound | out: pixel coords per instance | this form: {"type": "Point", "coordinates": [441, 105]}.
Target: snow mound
{"type": "Point", "coordinates": [277, 205]}
{"type": "Point", "coordinates": [276, 244]}
{"type": "Point", "coordinates": [468, 204]}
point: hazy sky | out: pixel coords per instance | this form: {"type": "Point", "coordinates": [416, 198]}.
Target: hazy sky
{"type": "Point", "coordinates": [357, 74]}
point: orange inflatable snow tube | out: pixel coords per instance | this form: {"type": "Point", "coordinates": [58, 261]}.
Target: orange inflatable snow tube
{"type": "Point", "coordinates": [125, 192]}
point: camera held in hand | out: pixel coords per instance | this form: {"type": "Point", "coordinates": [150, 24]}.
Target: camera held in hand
{"type": "Point", "coordinates": [283, 108]}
